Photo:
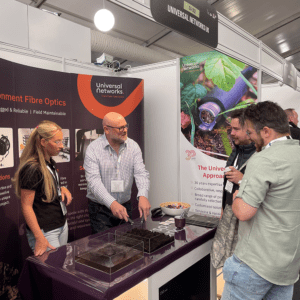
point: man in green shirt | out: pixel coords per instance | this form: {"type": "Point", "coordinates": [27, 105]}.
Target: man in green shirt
{"type": "Point", "coordinates": [266, 260]}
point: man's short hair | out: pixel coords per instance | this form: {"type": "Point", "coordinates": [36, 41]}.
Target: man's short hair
{"type": "Point", "coordinates": [289, 112]}
{"type": "Point", "coordinates": [267, 114]}
{"type": "Point", "coordinates": [238, 114]}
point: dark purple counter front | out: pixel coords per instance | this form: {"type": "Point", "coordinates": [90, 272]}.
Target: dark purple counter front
{"type": "Point", "coordinates": [53, 275]}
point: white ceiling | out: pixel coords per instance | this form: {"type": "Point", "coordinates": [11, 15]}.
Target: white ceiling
{"type": "Point", "coordinates": [275, 22]}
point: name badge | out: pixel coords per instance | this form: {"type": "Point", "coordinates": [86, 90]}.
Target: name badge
{"type": "Point", "coordinates": [63, 207]}
{"type": "Point", "coordinates": [229, 186]}
{"type": "Point", "coordinates": [117, 186]}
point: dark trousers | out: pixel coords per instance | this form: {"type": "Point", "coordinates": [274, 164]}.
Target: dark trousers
{"type": "Point", "coordinates": [102, 218]}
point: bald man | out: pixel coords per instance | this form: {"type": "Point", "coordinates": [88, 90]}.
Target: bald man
{"type": "Point", "coordinates": [111, 163]}
{"type": "Point", "coordinates": [293, 121]}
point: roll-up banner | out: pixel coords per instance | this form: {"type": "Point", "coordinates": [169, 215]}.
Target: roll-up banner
{"type": "Point", "coordinates": [78, 104]}
{"type": "Point", "coordinates": [212, 85]}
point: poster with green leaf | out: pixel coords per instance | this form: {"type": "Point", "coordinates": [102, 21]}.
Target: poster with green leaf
{"type": "Point", "coordinates": [212, 85]}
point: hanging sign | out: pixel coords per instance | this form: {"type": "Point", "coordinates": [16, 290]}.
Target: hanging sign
{"type": "Point", "coordinates": [193, 18]}
{"type": "Point", "coordinates": [290, 75]}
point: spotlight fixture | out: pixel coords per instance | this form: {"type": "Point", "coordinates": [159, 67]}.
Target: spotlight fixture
{"type": "Point", "coordinates": [104, 20]}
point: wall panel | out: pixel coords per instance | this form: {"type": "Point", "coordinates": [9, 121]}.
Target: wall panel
{"type": "Point", "coordinates": [161, 131]}
{"type": "Point", "coordinates": [53, 35]}
{"type": "Point", "coordinates": [13, 23]}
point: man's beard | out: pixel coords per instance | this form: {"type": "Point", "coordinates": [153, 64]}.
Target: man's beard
{"type": "Point", "coordinates": [119, 140]}
{"type": "Point", "coordinates": [259, 144]}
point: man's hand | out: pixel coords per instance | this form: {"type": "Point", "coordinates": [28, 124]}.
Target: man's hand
{"type": "Point", "coordinates": [66, 196]}
{"type": "Point", "coordinates": [41, 245]}
{"type": "Point", "coordinates": [119, 211]}
{"type": "Point", "coordinates": [234, 175]}
{"type": "Point", "coordinates": [144, 207]}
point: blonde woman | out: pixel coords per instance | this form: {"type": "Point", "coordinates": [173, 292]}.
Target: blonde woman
{"type": "Point", "coordinates": [36, 182]}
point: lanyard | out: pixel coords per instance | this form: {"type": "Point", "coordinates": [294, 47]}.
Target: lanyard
{"type": "Point", "coordinates": [235, 161]}
{"type": "Point", "coordinates": [56, 179]}
{"type": "Point", "coordinates": [279, 139]}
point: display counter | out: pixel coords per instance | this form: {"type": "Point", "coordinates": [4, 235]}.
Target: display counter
{"type": "Point", "coordinates": [179, 270]}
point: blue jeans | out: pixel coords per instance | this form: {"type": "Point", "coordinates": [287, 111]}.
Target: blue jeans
{"type": "Point", "coordinates": [242, 283]}
{"type": "Point", "coordinates": [56, 237]}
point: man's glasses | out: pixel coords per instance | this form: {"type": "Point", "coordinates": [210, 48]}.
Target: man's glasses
{"type": "Point", "coordinates": [121, 129]}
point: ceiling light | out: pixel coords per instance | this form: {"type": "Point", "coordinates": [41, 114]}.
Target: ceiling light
{"type": "Point", "coordinates": [211, 1]}
{"type": "Point", "coordinates": [51, 12]}
{"type": "Point", "coordinates": [284, 47]}
{"type": "Point", "coordinates": [104, 20]}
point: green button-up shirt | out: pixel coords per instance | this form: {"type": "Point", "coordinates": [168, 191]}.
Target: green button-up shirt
{"type": "Point", "coordinates": [269, 243]}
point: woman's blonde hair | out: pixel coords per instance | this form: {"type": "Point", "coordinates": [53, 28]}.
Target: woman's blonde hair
{"type": "Point", "coordinates": [33, 155]}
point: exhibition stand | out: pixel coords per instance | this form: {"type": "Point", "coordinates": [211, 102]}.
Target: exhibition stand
{"type": "Point", "coordinates": [162, 80]}
{"type": "Point", "coordinates": [78, 104]}
{"type": "Point", "coordinates": [37, 52]}
{"type": "Point", "coordinates": [178, 270]}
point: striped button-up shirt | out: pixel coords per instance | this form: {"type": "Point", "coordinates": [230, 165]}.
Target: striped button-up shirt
{"type": "Point", "coordinates": [101, 165]}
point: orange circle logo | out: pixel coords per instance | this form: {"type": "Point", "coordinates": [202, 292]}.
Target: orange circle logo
{"type": "Point", "coordinates": [99, 110]}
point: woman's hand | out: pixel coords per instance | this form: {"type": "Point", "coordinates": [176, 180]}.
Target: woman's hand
{"type": "Point", "coordinates": [66, 196]}
{"type": "Point", "coordinates": [41, 245]}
